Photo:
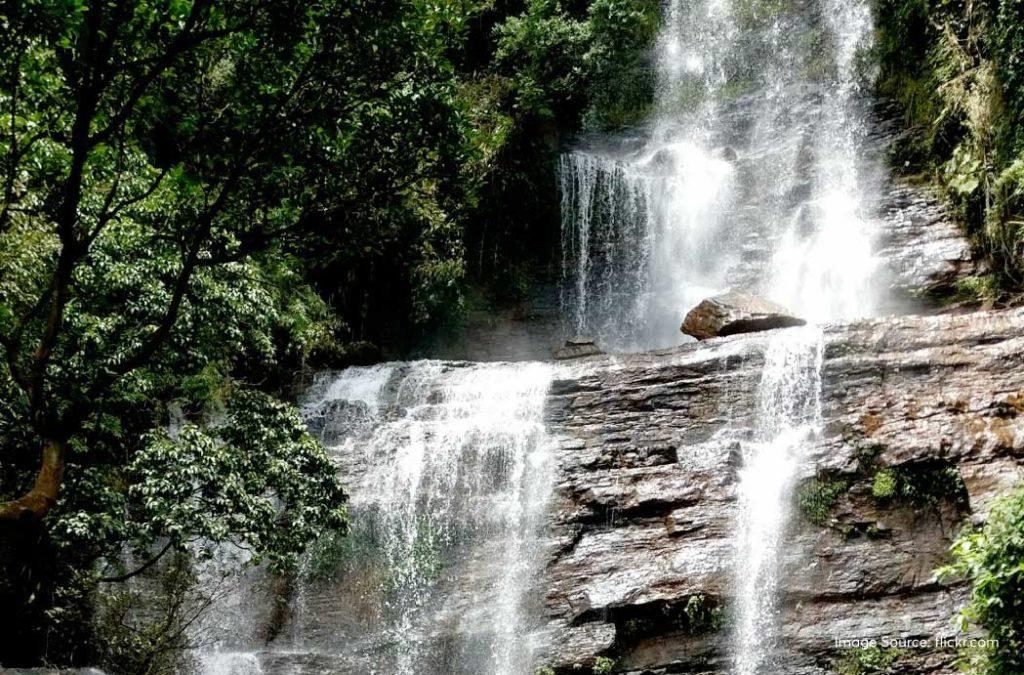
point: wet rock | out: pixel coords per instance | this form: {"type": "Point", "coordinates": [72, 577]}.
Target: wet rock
{"type": "Point", "coordinates": [924, 248]}
{"type": "Point", "coordinates": [728, 153]}
{"type": "Point", "coordinates": [577, 347]}
{"type": "Point", "coordinates": [646, 503]}
{"type": "Point", "coordinates": [735, 312]}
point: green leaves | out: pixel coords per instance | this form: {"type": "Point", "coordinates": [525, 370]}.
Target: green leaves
{"type": "Point", "coordinates": [257, 479]}
{"type": "Point", "coordinates": [992, 560]}
{"type": "Point", "coordinates": [963, 172]}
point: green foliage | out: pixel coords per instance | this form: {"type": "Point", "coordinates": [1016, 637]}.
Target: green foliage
{"type": "Point", "coordinates": [884, 485]}
{"type": "Point", "coordinates": [992, 560]}
{"type": "Point", "coordinates": [699, 614]}
{"type": "Point", "coordinates": [199, 196]}
{"type": "Point", "coordinates": [544, 670]}
{"type": "Point", "coordinates": [332, 551]}
{"type": "Point", "coordinates": [598, 63]}
{"type": "Point", "coordinates": [702, 615]}
{"type": "Point", "coordinates": [956, 71]}
{"type": "Point", "coordinates": [603, 665]}
{"type": "Point", "coordinates": [865, 660]}
{"type": "Point", "coordinates": [976, 288]}
{"type": "Point", "coordinates": [620, 77]}
{"type": "Point", "coordinates": [541, 50]}
{"type": "Point", "coordinates": [257, 479]}
{"type": "Point", "coordinates": [919, 485]}
{"type": "Point", "coordinates": [134, 639]}
{"type": "Point", "coordinates": [817, 496]}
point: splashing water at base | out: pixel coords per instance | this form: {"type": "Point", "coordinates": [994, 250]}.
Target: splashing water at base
{"type": "Point", "coordinates": [230, 663]}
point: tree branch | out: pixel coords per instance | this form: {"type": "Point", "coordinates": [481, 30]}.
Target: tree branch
{"type": "Point", "coordinates": [139, 570]}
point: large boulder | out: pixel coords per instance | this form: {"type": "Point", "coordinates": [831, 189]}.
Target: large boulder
{"type": "Point", "coordinates": [736, 312]}
{"type": "Point", "coordinates": [577, 347]}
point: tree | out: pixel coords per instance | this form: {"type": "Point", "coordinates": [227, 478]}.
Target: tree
{"type": "Point", "coordinates": [181, 138]}
{"type": "Point", "coordinates": [162, 164]}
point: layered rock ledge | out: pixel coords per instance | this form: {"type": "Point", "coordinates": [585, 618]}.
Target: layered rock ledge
{"type": "Point", "coordinates": [649, 448]}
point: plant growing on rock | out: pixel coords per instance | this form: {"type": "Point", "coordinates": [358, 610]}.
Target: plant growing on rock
{"type": "Point", "coordinates": [991, 559]}
{"type": "Point", "coordinates": [866, 660]}
{"type": "Point", "coordinates": [922, 485]}
{"type": "Point", "coordinates": [817, 496]}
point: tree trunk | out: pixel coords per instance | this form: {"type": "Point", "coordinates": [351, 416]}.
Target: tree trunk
{"type": "Point", "coordinates": [26, 592]}
{"type": "Point", "coordinates": [35, 503]}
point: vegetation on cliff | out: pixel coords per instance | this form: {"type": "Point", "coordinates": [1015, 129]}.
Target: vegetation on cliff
{"type": "Point", "coordinates": [956, 70]}
{"type": "Point", "coordinates": [992, 559]}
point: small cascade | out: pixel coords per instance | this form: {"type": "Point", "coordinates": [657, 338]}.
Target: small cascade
{"type": "Point", "coordinates": [450, 476]}
{"type": "Point", "coordinates": [788, 416]}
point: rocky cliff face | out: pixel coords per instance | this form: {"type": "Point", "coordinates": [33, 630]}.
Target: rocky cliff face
{"type": "Point", "coordinates": [645, 504]}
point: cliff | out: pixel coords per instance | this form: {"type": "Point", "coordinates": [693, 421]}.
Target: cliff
{"type": "Point", "coordinates": [645, 503]}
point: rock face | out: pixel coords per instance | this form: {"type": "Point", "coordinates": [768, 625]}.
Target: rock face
{"type": "Point", "coordinates": [734, 312]}
{"type": "Point", "coordinates": [647, 450]}
{"type": "Point", "coordinates": [646, 499]}
{"type": "Point", "coordinates": [924, 248]}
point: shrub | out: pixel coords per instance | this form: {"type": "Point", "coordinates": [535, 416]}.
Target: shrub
{"type": "Point", "coordinates": [919, 485]}
{"type": "Point", "coordinates": [992, 560]}
{"type": "Point", "coordinates": [884, 486]}
{"type": "Point", "coordinates": [864, 660]}
{"type": "Point", "coordinates": [817, 497]}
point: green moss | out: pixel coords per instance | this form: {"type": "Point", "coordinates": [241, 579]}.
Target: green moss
{"type": "Point", "coordinates": [884, 485]}
{"type": "Point", "coordinates": [865, 660]}
{"type": "Point", "coordinates": [817, 497]}
{"type": "Point", "coordinates": [544, 670]}
{"type": "Point", "coordinates": [734, 89]}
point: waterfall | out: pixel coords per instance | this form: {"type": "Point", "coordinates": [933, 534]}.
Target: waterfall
{"type": "Point", "coordinates": [449, 472]}
{"type": "Point", "coordinates": [755, 173]}
{"type": "Point", "coordinates": [788, 416]}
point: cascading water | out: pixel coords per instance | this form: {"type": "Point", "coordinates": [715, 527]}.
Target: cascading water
{"type": "Point", "coordinates": [756, 173]}
{"type": "Point", "coordinates": [451, 475]}
{"type": "Point", "coordinates": [788, 416]}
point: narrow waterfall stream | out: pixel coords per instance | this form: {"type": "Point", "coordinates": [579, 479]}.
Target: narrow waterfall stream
{"type": "Point", "coordinates": [789, 413]}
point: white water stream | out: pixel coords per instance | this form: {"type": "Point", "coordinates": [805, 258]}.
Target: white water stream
{"type": "Point", "coordinates": [452, 477]}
